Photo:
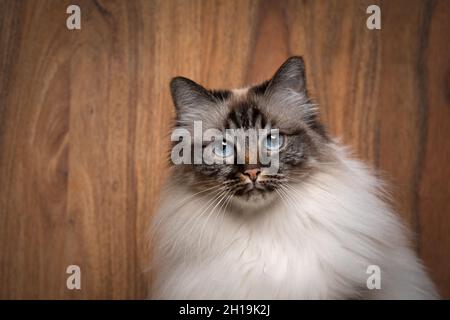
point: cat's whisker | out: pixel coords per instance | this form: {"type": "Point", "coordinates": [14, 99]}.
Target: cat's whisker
{"type": "Point", "coordinates": [224, 205]}
{"type": "Point", "coordinates": [192, 222]}
{"type": "Point", "coordinates": [296, 204]}
{"type": "Point", "coordinates": [287, 196]}
{"type": "Point", "coordinates": [228, 201]}
{"type": "Point", "coordinates": [283, 200]}
{"type": "Point", "coordinates": [293, 194]}
{"type": "Point", "coordinates": [184, 202]}
{"type": "Point", "coordinates": [195, 194]}
{"type": "Point", "coordinates": [296, 180]}
{"type": "Point", "coordinates": [311, 181]}
{"type": "Point", "coordinates": [327, 192]}
{"type": "Point", "coordinates": [224, 195]}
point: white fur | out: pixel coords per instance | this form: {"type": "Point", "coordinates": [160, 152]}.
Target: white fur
{"type": "Point", "coordinates": [239, 92]}
{"type": "Point", "coordinates": [316, 244]}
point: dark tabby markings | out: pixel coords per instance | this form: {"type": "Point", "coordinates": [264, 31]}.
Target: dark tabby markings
{"type": "Point", "coordinates": [220, 95]}
{"type": "Point", "coordinates": [260, 89]}
{"type": "Point", "coordinates": [245, 115]}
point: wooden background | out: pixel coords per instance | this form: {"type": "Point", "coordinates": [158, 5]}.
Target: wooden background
{"type": "Point", "coordinates": [84, 117]}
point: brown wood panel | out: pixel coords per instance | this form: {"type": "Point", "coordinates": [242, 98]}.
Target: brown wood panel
{"type": "Point", "coordinates": [84, 118]}
{"type": "Point", "coordinates": [432, 193]}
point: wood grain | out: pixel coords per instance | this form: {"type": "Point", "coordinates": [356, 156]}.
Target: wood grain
{"type": "Point", "coordinates": [84, 117]}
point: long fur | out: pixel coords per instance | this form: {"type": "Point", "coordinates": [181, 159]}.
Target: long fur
{"type": "Point", "coordinates": [315, 241]}
{"type": "Point", "coordinates": [314, 232]}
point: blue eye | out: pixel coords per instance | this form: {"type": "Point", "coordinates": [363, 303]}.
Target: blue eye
{"type": "Point", "coordinates": [273, 142]}
{"type": "Point", "coordinates": [224, 149]}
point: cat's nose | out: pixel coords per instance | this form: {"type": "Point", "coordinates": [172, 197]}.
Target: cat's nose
{"type": "Point", "coordinates": [252, 173]}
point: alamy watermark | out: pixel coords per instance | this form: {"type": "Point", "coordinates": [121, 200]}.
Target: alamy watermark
{"type": "Point", "coordinates": [73, 22]}
{"type": "Point", "coordinates": [374, 280]}
{"type": "Point", "coordinates": [374, 20]}
{"type": "Point", "coordinates": [73, 281]}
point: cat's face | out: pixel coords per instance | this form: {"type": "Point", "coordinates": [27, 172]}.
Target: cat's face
{"type": "Point", "coordinates": [291, 132]}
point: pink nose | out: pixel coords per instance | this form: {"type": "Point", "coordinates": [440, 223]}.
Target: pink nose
{"type": "Point", "coordinates": [252, 173]}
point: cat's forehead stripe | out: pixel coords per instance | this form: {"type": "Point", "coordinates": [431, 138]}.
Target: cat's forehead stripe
{"type": "Point", "coordinates": [221, 94]}
{"type": "Point", "coordinates": [240, 92]}
{"type": "Point", "coordinates": [244, 114]}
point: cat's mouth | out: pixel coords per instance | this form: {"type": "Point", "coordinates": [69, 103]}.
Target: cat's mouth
{"type": "Point", "coordinates": [254, 189]}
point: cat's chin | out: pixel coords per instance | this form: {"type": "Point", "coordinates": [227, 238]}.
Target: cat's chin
{"type": "Point", "coordinates": [255, 199]}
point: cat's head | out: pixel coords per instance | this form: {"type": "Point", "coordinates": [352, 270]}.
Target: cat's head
{"type": "Point", "coordinates": [291, 132]}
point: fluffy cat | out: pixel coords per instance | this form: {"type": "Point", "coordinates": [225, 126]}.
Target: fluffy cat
{"type": "Point", "coordinates": [310, 231]}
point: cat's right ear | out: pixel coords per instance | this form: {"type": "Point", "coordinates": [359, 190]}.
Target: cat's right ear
{"type": "Point", "coordinates": [189, 98]}
{"type": "Point", "coordinates": [291, 76]}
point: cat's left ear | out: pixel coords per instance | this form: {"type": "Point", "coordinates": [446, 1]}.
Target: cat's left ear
{"type": "Point", "coordinates": [291, 76]}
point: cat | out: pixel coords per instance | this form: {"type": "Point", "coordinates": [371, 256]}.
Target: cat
{"type": "Point", "coordinates": [313, 230]}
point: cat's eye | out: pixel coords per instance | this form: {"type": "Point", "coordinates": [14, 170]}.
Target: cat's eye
{"type": "Point", "coordinates": [273, 142]}
{"type": "Point", "coordinates": [224, 149]}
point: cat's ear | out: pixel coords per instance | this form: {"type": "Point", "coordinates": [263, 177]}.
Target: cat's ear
{"type": "Point", "coordinates": [287, 90]}
{"type": "Point", "coordinates": [291, 76]}
{"type": "Point", "coordinates": [189, 97]}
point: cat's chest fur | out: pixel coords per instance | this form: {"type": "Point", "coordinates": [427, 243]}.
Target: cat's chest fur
{"type": "Point", "coordinates": [281, 254]}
